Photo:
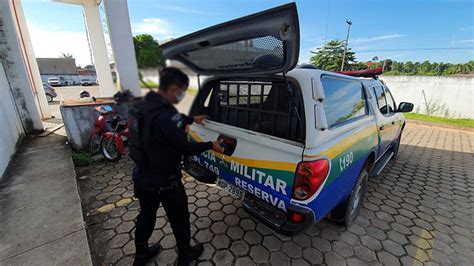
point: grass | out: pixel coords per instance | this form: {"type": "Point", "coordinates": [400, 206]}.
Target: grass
{"type": "Point", "coordinates": [448, 121]}
{"type": "Point", "coordinates": [81, 158]}
{"type": "Point", "coordinates": [191, 91]}
{"type": "Point", "coordinates": [150, 84]}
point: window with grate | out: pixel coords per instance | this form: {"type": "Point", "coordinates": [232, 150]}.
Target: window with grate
{"type": "Point", "coordinates": [259, 106]}
{"type": "Point", "coordinates": [246, 55]}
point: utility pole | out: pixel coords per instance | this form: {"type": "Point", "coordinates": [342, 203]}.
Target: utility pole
{"type": "Point", "coordinates": [349, 23]}
{"type": "Point", "coordinates": [453, 39]}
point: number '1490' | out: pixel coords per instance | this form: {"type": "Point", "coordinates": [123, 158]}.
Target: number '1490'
{"type": "Point", "coordinates": [346, 160]}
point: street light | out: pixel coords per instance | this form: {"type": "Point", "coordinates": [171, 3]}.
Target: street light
{"type": "Point", "coordinates": [349, 23]}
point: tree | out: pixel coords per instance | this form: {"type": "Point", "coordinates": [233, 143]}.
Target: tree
{"type": "Point", "coordinates": [66, 55]}
{"type": "Point", "coordinates": [329, 57]}
{"type": "Point", "coordinates": [148, 52]}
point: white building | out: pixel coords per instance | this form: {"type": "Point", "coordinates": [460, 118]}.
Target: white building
{"type": "Point", "coordinates": [19, 114]}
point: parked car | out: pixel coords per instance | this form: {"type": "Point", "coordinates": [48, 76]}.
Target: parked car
{"type": "Point", "coordinates": [50, 92]}
{"type": "Point", "coordinates": [300, 143]}
{"type": "Point", "coordinates": [56, 81]}
{"type": "Point", "coordinates": [86, 82]}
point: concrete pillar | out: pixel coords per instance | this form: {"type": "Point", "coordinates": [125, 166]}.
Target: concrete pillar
{"type": "Point", "coordinates": [99, 48]}
{"type": "Point", "coordinates": [120, 32]}
{"type": "Point", "coordinates": [15, 69]}
{"type": "Point", "coordinates": [30, 59]}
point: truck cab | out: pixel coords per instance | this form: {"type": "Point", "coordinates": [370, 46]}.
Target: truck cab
{"type": "Point", "coordinates": [299, 142]}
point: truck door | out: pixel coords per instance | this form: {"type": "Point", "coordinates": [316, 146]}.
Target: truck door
{"type": "Point", "coordinates": [384, 119]}
{"type": "Point", "coordinates": [395, 120]}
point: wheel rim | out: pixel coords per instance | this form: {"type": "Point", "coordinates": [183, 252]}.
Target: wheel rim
{"type": "Point", "coordinates": [110, 150]}
{"type": "Point", "coordinates": [357, 198]}
{"type": "Point", "coordinates": [49, 98]}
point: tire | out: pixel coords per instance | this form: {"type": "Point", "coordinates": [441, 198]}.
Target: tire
{"type": "Point", "coordinates": [95, 143]}
{"type": "Point", "coordinates": [347, 212]}
{"type": "Point", "coordinates": [396, 147]}
{"type": "Point", "coordinates": [49, 98]}
{"type": "Point", "coordinates": [110, 150]}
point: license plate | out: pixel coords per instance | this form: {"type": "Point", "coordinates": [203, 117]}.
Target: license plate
{"type": "Point", "coordinates": [231, 189]}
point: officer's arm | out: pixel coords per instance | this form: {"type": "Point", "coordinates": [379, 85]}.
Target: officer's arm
{"type": "Point", "coordinates": [187, 119]}
{"type": "Point", "coordinates": [177, 137]}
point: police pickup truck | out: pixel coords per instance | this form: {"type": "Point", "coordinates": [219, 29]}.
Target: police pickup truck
{"type": "Point", "coordinates": [300, 143]}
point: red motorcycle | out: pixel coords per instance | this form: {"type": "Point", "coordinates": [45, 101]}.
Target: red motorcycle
{"type": "Point", "coordinates": [100, 127]}
{"type": "Point", "coordinates": [112, 143]}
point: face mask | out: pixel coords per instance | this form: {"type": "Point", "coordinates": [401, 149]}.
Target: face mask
{"type": "Point", "coordinates": [181, 95]}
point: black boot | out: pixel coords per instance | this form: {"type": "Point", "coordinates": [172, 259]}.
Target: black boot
{"type": "Point", "coordinates": [144, 253]}
{"type": "Point", "coordinates": [187, 255]}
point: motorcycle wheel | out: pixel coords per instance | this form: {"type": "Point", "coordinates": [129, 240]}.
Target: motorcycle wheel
{"type": "Point", "coordinates": [110, 150]}
{"type": "Point", "coordinates": [95, 143]}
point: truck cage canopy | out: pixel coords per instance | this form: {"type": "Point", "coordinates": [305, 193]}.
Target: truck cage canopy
{"type": "Point", "coordinates": [262, 105]}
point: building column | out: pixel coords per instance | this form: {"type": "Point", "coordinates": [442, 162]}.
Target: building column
{"type": "Point", "coordinates": [99, 48]}
{"type": "Point", "coordinates": [120, 32]}
{"type": "Point", "coordinates": [11, 57]}
{"type": "Point", "coordinates": [30, 59]}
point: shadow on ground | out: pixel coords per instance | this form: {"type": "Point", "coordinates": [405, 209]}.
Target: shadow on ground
{"type": "Point", "coordinates": [419, 210]}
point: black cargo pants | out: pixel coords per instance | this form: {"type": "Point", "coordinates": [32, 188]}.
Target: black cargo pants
{"type": "Point", "coordinates": [175, 202]}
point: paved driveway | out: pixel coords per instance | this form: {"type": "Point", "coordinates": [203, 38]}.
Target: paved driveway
{"type": "Point", "coordinates": [419, 210]}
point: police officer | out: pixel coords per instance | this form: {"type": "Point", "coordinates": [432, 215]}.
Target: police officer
{"type": "Point", "coordinates": [160, 181]}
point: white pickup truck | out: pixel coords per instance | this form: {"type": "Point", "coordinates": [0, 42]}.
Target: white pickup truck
{"type": "Point", "coordinates": [300, 143]}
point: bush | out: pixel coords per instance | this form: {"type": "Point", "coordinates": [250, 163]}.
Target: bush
{"type": "Point", "coordinates": [149, 84]}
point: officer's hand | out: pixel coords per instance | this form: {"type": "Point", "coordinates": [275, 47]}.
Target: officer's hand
{"type": "Point", "coordinates": [216, 146]}
{"type": "Point", "coordinates": [200, 118]}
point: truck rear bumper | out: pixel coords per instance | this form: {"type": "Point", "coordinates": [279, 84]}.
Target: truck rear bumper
{"type": "Point", "coordinates": [198, 172]}
{"type": "Point", "coordinates": [276, 219]}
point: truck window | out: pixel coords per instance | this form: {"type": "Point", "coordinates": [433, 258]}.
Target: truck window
{"type": "Point", "coordinates": [390, 101]}
{"type": "Point", "coordinates": [381, 102]}
{"type": "Point", "coordinates": [345, 100]}
{"type": "Point", "coordinates": [261, 106]}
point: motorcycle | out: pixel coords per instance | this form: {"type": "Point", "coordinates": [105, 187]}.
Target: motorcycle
{"type": "Point", "coordinates": [100, 128]}
{"type": "Point", "coordinates": [112, 143]}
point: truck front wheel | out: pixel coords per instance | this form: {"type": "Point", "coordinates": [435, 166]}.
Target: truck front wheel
{"type": "Point", "coordinates": [347, 212]}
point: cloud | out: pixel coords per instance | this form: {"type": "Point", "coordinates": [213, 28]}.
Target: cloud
{"type": "Point", "coordinates": [466, 41]}
{"type": "Point", "coordinates": [154, 26]}
{"type": "Point", "coordinates": [47, 43]}
{"type": "Point", "coordinates": [185, 10]}
{"type": "Point", "coordinates": [376, 38]}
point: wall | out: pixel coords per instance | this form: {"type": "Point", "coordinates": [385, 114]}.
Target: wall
{"type": "Point", "coordinates": [15, 70]}
{"type": "Point", "coordinates": [18, 112]}
{"type": "Point", "coordinates": [445, 96]}
{"type": "Point", "coordinates": [11, 128]}
{"type": "Point", "coordinates": [79, 119]}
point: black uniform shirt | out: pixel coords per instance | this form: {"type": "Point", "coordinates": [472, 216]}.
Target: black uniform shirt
{"type": "Point", "coordinates": [169, 143]}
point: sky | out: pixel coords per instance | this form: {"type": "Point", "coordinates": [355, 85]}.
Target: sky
{"type": "Point", "coordinates": [403, 30]}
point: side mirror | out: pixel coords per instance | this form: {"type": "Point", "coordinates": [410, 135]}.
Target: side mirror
{"type": "Point", "coordinates": [405, 107]}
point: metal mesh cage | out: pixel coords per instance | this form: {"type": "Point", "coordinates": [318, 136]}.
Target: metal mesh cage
{"type": "Point", "coordinates": [258, 106]}
{"type": "Point", "coordinates": [257, 53]}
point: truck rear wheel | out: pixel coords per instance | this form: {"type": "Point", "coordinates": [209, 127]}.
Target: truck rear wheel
{"type": "Point", "coordinates": [347, 212]}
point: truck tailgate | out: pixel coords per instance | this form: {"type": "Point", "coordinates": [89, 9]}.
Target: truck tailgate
{"type": "Point", "coordinates": [261, 165]}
